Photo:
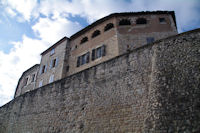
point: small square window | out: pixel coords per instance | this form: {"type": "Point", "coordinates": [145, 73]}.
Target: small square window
{"type": "Point", "coordinates": [150, 40]}
{"type": "Point", "coordinates": [162, 20]}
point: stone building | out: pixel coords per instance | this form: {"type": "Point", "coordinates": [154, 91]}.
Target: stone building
{"type": "Point", "coordinates": [117, 33]}
{"type": "Point", "coordinates": [103, 40]}
{"type": "Point", "coordinates": [52, 63]}
{"type": "Point", "coordinates": [152, 89]}
{"type": "Point", "coordinates": [27, 81]}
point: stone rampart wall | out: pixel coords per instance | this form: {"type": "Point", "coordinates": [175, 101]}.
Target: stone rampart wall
{"type": "Point", "coordinates": [153, 89]}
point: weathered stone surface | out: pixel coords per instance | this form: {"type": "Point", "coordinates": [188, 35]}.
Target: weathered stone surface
{"type": "Point", "coordinates": [153, 89]}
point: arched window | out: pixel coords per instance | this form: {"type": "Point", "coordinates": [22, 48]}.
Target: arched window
{"type": "Point", "coordinates": [84, 39]}
{"type": "Point", "coordinates": [108, 26]}
{"type": "Point", "coordinates": [141, 21]}
{"type": "Point", "coordinates": [125, 22]}
{"type": "Point", "coordinates": [96, 33]}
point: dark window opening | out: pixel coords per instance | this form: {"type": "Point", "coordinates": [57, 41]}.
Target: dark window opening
{"type": "Point", "coordinates": [162, 20]}
{"type": "Point", "coordinates": [96, 33]}
{"type": "Point", "coordinates": [78, 61]}
{"type": "Point", "coordinates": [43, 69]}
{"type": "Point", "coordinates": [54, 63]}
{"type": "Point", "coordinates": [67, 68]}
{"type": "Point", "coordinates": [26, 81]}
{"type": "Point", "coordinates": [150, 40]}
{"type": "Point", "coordinates": [85, 39]}
{"type": "Point", "coordinates": [141, 21]}
{"type": "Point", "coordinates": [33, 78]}
{"type": "Point", "coordinates": [83, 59]}
{"type": "Point", "coordinates": [108, 26]}
{"type": "Point", "coordinates": [125, 22]}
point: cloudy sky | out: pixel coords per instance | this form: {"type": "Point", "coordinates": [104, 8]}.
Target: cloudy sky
{"type": "Point", "coordinates": [28, 27]}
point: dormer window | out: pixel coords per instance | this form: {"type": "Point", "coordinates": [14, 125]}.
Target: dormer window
{"type": "Point", "coordinates": [108, 26]}
{"type": "Point", "coordinates": [124, 22]}
{"type": "Point", "coordinates": [85, 39]}
{"type": "Point", "coordinates": [96, 33]}
{"type": "Point", "coordinates": [52, 52]}
{"type": "Point", "coordinates": [141, 21]}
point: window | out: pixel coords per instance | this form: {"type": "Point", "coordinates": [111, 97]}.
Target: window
{"type": "Point", "coordinates": [108, 26]}
{"type": "Point", "coordinates": [26, 81]}
{"type": "Point", "coordinates": [96, 33]}
{"type": "Point", "coordinates": [43, 69]}
{"type": "Point", "coordinates": [51, 78]}
{"type": "Point", "coordinates": [52, 52]}
{"type": "Point", "coordinates": [33, 78]}
{"type": "Point", "coordinates": [83, 59]}
{"type": "Point", "coordinates": [162, 20]}
{"type": "Point", "coordinates": [85, 39]}
{"type": "Point", "coordinates": [67, 68]}
{"type": "Point", "coordinates": [54, 63]}
{"type": "Point", "coordinates": [40, 83]}
{"type": "Point", "coordinates": [141, 21]}
{"type": "Point", "coordinates": [99, 52]}
{"type": "Point", "coordinates": [125, 22]}
{"type": "Point", "coordinates": [150, 40]}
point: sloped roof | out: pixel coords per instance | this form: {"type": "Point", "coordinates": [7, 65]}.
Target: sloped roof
{"type": "Point", "coordinates": [53, 46]}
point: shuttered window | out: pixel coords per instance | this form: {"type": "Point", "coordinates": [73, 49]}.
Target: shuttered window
{"type": "Point", "coordinates": [101, 51]}
{"type": "Point", "coordinates": [83, 59]}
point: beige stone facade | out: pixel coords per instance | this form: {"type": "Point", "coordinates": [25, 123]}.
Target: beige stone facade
{"type": "Point", "coordinates": [103, 40]}
{"type": "Point", "coordinates": [52, 62]}
{"type": "Point", "coordinates": [127, 31]}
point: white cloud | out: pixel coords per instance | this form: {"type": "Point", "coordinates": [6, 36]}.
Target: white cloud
{"type": "Point", "coordinates": [22, 56]}
{"type": "Point", "coordinates": [10, 12]}
{"type": "Point", "coordinates": [23, 7]}
{"type": "Point", "coordinates": [51, 30]}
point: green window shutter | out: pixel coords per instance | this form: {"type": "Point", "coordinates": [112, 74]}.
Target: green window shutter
{"type": "Point", "coordinates": [103, 50]}
{"type": "Point", "coordinates": [93, 54]}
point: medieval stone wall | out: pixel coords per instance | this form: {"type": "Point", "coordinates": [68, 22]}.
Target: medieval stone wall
{"type": "Point", "coordinates": [152, 89]}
